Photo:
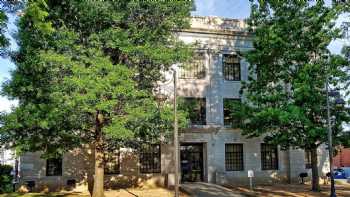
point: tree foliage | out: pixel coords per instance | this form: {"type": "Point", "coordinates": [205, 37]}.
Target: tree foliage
{"type": "Point", "coordinates": [285, 95]}
{"type": "Point", "coordinates": [86, 71]}
{"type": "Point", "coordinates": [5, 178]}
{"type": "Point", "coordinates": [3, 40]}
{"type": "Point", "coordinates": [7, 7]}
{"type": "Point", "coordinates": [106, 39]}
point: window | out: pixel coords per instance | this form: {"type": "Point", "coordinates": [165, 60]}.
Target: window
{"type": "Point", "coordinates": [54, 167]}
{"type": "Point", "coordinates": [196, 110]}
{"type": "Point", "coordinates": [269, 157]}
{"type": "Point", "coordinates": [234, 157]}
{"type": "Point", "coordinates": [150, 158]}
{"type": "Point", "coordinates": [229, 108]}
{"type": "Point", "coordinates": [112, 162]}
{"type": "Point", "coordinates": [308, 159]}
{"type": "Point", "coordinates": [195, 69]}
{"type": "Point", "coordinates": [231, 67]}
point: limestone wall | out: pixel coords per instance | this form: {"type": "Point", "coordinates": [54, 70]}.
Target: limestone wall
{"type": "Point", "coordinates": [78, 165]}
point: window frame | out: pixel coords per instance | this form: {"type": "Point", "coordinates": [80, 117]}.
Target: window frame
{"type": "Point", "coordinates": [57, 164]}
{"type": "Point", "coordinates": [199, 63]}
{"type": "Point", "coordinates": [150, 166]}
{"type": "Point", "coordinates": [308, 160]}
{"type": "Point", "coordinates": [232, 69]}
{"type": "Point", "coordinates": [237, 157]}
{"type": "Point", "coordinates": [115, 156]}
{"type": "Point", "coordinates": [269, 150]}
{"type": "Point", "coordinates": [232, 121]}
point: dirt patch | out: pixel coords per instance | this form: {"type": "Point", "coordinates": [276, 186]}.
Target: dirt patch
{"type": "Point", "coordinates": [157, 192]}
{"type": "Point", "coordinates": [56, 194]}
{"type": "Point", "coordinates": [292, 190]}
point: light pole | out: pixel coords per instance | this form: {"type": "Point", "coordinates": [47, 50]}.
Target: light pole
{"type": "Point", "coordinates": [176, 139]}
{"type": "Point", "coordinates": [176, 133]}
{"type": "Point", "coordinates": [338, 102]}
{"type": "Point", "coordinates": [330, 143]}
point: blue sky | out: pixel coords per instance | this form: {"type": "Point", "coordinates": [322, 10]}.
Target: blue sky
{"type": "Point", "coordinates": [239, 9]}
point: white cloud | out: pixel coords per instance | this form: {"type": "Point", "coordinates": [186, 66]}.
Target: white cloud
{"type": "Point", "coordinates": [6, 105]}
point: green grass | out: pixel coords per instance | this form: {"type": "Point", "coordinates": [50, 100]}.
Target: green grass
{"type": "Point", "coordinates": [41, 195]}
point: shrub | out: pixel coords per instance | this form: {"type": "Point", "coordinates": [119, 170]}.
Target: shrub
{"type": "Point", "coordinates": [5, 178]}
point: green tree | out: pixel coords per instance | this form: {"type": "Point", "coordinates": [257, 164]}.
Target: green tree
{"type": "Point", "coordinates": [3, 40]}
{"type": "Point", "coordinates": [86, 72]}
{"type": "Point", "coordinates": [6, 7]}
{"type": "Point", "coordinates": [285, 95]}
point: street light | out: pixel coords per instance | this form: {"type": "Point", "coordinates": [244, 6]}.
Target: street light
{"type": "Point", "coordinates": [339, 102]}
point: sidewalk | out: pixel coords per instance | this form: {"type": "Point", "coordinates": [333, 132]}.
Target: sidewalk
{"type": "Point", "coordinates": [201, 189]}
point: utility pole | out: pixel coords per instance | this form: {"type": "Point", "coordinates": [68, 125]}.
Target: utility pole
{"type": "Point", "coordinates": [330, 143]}
{"type": "Point", "coordinates": [176, 140]}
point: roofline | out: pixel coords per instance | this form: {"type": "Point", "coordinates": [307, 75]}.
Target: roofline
{"type": "Point", "coordinates": [223, 18]}
{"type": "Point", "coordinates": [206, 25]}
{"type": "Point", "coordinates": [217, 32]}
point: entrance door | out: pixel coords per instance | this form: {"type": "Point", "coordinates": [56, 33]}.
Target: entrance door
{"type": "Point", "coordinates": [191, 157]}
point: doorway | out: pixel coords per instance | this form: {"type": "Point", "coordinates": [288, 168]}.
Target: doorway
{"type": "Point", "coordinates": [191, 160]}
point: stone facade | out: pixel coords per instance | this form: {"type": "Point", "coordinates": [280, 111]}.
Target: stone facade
{"type": "Point", "coordinates": [214, 37]}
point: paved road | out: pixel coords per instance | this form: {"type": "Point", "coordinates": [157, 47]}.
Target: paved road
{"type": "Point", "coordinates": [200, 189]}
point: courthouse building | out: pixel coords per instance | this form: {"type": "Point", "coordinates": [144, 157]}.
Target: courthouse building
{"type": "Point", "coordinates": [212, 148]}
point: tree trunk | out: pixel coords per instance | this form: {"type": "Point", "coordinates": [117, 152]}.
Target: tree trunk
{"type": "Point", "coordinates": [91, 169]}
{"type": "Point", "coordinates": [98, 190]}
{"type": "Point", "coordinates": [315, 176]}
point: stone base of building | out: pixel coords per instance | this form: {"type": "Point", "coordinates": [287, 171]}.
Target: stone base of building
{"type": "Point", "coordinates": [202, 158]}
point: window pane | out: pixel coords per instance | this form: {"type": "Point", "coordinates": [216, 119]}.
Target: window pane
{"type": "Point", "coordinates": [112, 162]}
{"type": "Point", "coordinates": [150, 159]}
{"type": "Point", "coordinates": [234, 157]}
{"type": "Point", "coordinates": [196, 107]}
{"type": "Point", "coordinates": [231, 67]}
{"type": "Point", "coordinates": [54, 167]}
{"type": "Point", "coordinates": [269, 157]}
{"type": "Point", "coordinates": [195, 69]}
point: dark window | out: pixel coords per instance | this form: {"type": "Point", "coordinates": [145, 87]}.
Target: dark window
{"type": "Point", "coordinates": [196, 110]}
{"type": "Point", "coordinates": [269, 157]}
{"type": "Point", "coordinates": [234, 157]}
{"type": "Point", "coordinates": [112, 162]}
{"type": "Point", "coordinates": [195, 69]}
{"type": "Point", "coordinates": [231, 67]}
{"type": "Point", "coordinates": [308, 159]}
{"type": "Point", "coordinates": [229, 108]}
{"type": "Point", "coordinates": [54, 167]}
{"type": "Point", "coordinates": [150, 158]}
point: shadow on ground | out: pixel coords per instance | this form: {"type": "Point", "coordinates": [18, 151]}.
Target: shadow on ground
{"type": "Point", "coordinates": [71, 194]}
{"type": "Point", "coordinates": [291, 190]}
